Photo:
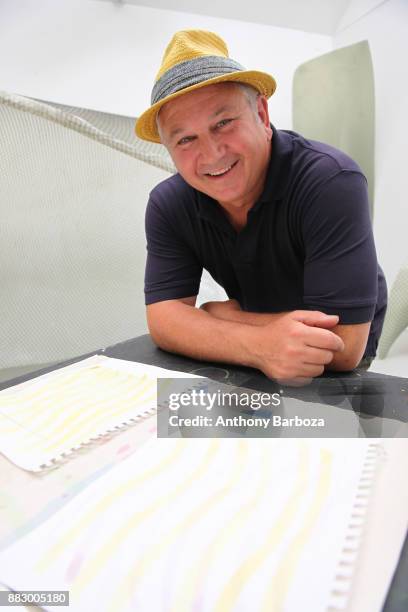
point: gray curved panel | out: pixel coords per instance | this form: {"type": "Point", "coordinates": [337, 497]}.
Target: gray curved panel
{"type": "Point", "coordinates": [334, 102]}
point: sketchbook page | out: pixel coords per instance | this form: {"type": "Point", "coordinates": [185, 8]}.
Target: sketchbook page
{"type": "Point", "coordinates": [197, 524]}
{"type": "Point", "coordinates": [44, 420]}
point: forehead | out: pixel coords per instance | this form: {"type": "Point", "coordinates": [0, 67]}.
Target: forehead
{"type": "Point", "coordinates": [204, 102]}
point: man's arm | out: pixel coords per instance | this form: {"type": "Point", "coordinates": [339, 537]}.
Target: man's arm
{"type": "Point", "coordinates": [294, 346]}
{"type": "Point", "coordinates": [230, 310]}
{"type": "Point", "coordinates": [355, 341]}
{"type": "Point", "coordinates": [354, 336]}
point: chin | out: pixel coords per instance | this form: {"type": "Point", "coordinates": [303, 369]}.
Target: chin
{"type": "Point", "coordinates": [225, 194]}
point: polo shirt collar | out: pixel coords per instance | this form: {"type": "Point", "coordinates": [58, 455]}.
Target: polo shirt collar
{"type": "Point", "coordinates": [210, 210]}
{"type": "Point", "coordinates": [277, 177]}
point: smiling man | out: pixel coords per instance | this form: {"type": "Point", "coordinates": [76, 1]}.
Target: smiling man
{"type": "Point", "coordinates": [281, 222]}
{"type": "Point", "coordinates": [224, 150]}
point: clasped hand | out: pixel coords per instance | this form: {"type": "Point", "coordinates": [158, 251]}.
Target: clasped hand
{"type": "Point", "coordinates": [292, 347]}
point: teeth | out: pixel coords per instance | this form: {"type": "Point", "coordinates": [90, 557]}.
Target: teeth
{"type": "Point", "coordinates": [223, 171]}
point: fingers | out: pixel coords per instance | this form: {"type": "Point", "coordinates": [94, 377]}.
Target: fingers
{"type": "Point", "coordinates": [301, 346]}
{"type": "Point", "coordinates": [316, 356]}
{"type": "Point", "coordinates": [315, 318]}
{"type": "Point", "coordinates": [315, 337]}
{"type": "Point", "coordinates": [323, 339]}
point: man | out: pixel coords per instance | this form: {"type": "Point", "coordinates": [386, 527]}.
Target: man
{"type": "Point", "coordinates": [282, 223]}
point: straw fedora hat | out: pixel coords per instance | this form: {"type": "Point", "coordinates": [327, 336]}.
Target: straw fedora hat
{"type": "Point", "coordinates": [193, 59]}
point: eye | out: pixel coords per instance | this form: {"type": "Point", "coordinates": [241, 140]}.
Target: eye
{"type": "Point", "coordinates": [185, 140]}
{"type": "Point", "coordinates": [223, 123]}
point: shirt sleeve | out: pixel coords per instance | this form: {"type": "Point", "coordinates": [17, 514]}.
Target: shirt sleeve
{"type": "Point", "coordinates": [172, 270]}
{"type": "Point", "coordinates": [341, 270]}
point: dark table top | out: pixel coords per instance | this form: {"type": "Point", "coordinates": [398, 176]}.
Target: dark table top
{"type": "Point", "coordinates": [369, 395]}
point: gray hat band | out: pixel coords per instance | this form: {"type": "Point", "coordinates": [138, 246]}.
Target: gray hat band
{"type": "Point", "coordinates": [192, 72]}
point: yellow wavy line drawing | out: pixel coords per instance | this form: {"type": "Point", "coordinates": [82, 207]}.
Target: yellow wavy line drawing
{"type": "Point", "coordinates": [136, 395]}
{"type": "Point", "coordinates": [18, 435]}
{"type": "Point", "coordinates": [22, 396]}
{"type": "Point", "coordinates": [104, 503]}
{"type": "Point", "coordinates": [54, 392]}
{"type": "Point", "coordinates": [278, 587]}
{"type": "Point", "coordinates": [287, 515]}
{"type": "Point", "coordinates": [71, 422]}
{"type": "Point", "coordinates": [58, 392]}
{"type": "Point", "coordinates": [107, 550]}
{"type": "Point", "coordinates": [184, 600]}
{"type": "Point", "coordinates": [117, 537]}
{"type": "Point", "coordinates": [28, 409]}
{"type": "Point", "coordinates": [5, 427]}
{"type": "Point", "coordinates": [67, 390]}
{"type": "Point", "coordinates": [127, 584]}
{"type": "Point", "coordinates": [49, 429]}
{"type": "Point", "coordinates": [41, 439]}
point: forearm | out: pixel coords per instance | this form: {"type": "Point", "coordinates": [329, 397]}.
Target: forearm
{"type": "Point", "coordinates": [250, 318]}
{"type": "Point", "coordinates": [230, 310]}
{"type": "Point", "coordinates": [184, 329]}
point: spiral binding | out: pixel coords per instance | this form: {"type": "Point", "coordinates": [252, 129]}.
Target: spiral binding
{"type": "Point", "coordinates": [93, 441]}
{"type": "Point", "coordinates": [340, 593]}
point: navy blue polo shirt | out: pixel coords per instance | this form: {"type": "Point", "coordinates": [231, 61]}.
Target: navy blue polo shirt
{"type": "Point", "coordinates": [308, 242]}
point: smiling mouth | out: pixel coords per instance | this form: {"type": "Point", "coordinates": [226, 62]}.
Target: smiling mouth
{"type": "Point", "coordinates": [222, 171]}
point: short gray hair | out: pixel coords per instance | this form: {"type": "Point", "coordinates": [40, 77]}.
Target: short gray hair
{"type": "Point", "coordinates": [251, 94]}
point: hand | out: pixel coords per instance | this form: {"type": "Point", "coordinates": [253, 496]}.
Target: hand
{"type": "Point", "coordinates": [295, 347]}
{"type": "Point", "coordinates": [221, 310]}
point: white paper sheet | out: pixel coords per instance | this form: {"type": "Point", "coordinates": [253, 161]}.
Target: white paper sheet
{"type": "Point", "coordinates": [46, 419]}
{"type": "Point", "coordinates": [203, 525]}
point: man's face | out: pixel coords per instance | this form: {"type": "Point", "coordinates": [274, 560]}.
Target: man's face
{"type": "Point", "coordinates": [219, 143]}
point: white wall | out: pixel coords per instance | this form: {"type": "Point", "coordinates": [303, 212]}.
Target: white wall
{"type": "Point", "coordinates": [385, 26]}
{"type": "Point", "coordinates": [105, 56]}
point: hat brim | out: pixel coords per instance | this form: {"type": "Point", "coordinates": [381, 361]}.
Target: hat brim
{"type": "Point", "coordinates": [146, 126]}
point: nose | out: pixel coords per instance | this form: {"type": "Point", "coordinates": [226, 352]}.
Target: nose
{"type": "Point", "coordinates": [211, 152]}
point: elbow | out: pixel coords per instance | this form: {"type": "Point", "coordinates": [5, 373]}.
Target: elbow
{"type": "Point", "coordinates": [153, 325]}
{"type": "Point", "coordinates": [160, 341]}
{"type": "Point", "coordinates": [355, 339]}
{"type": "Point", "coordinates": [345, 361]}
{"type": "Point", "coordinates": [156, 332]}
{"type": "Point", "coordinates": [342, 366]}
{"type": "Point", "coordinates": [154, 336]}
{"type": "Point", "coordinates": [166, 321]}
{"type": "Point", "coordinates": [162, 326]}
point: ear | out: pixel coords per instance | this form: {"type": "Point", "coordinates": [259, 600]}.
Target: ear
{"type": "Point", "coordinates": [263, 114]}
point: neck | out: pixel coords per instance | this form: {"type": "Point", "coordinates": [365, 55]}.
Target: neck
{"type": "Point", "coordinates": [237, 212]}
{"type": "Point", "coordinates": [238, 218]}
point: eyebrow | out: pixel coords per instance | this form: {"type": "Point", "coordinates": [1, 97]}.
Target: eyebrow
{"type": "Point", "coordinates": [219, 111]}
{"type": "Point", "coordinates": [174, 132]}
